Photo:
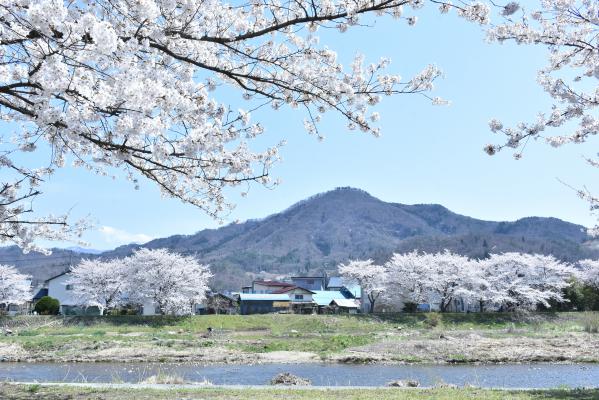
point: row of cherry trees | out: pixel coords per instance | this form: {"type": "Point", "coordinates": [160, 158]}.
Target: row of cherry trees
{"type": "Point", "coordinates": [171, 282]}
{"type": "Point", "coordinates": [502, 282]}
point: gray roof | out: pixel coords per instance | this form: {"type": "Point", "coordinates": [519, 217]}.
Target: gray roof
{"type": "Point", "coordinates": [58, 276]}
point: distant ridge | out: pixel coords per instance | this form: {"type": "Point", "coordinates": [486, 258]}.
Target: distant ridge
{"type": "Point", "coordinates": [317, 233]}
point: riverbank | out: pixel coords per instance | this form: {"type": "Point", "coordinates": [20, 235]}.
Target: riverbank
{"type": "Point", "coordinates": [393, 339]}
{"type": "Point", "coordinates": [65, 392]}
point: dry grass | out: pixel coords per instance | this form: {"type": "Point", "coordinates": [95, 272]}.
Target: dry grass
{"type": "Point", "coordinates": [164, 379]}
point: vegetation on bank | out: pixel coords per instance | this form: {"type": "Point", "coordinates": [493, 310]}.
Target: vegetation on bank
{"type": "Point", "coordinates": [421, 337]}
{"type": "Point", "coordinates": [22, 392]}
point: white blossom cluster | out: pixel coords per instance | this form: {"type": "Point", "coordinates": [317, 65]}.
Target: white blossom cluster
{"type": "Point", "coordinates": [369, 276]}
{"type": "Point", "coordinates": [133, 85]}
{"type": "Point", "coordinates": [589, 272]}
{"type": "Point", "coordinates": [509, 281]}
{"type": "Point", "coordinates": [174, 283]}
{"type": "Point", "coordinates": [15, 288]}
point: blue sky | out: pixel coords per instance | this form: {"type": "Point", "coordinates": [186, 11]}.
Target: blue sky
{"type": "Point", "coordinates": [427, 154]}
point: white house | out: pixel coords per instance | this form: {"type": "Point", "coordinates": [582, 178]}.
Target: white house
{"type": "Point", "coordinates": [59, 289]}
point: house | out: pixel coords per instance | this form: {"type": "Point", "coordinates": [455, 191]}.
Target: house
{"type": "Point", "coordinates": [335, 283]}
{"type": "Point", "coordinates": [263, 303]}
{"type": "Point", "coordinates": [41, 292]}
{"type": "Point", "coordinates": [345, 306]}
{"type": "Point", "coordinates": [262, 287]}
{"type": "Point", "coordinates": [310, 282]}
{"type": "Point", "coordinates": [218, 303]}
{"type": "Point", "coordinates": [306, 294]}
{"type": "Point", "coordinates": [60, 289]}
{"type": "Point", "coordinates": [323, 299]}
{"type": "Point", "coordinates": [300, 299]}
{"type": "Point", "coordinates": [247, 289]}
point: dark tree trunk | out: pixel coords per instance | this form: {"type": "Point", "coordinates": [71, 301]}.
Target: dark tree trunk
{"type": "Point", "coordinates": [443, 306]}
{"type": "Point", "coordinates": [372, 300]}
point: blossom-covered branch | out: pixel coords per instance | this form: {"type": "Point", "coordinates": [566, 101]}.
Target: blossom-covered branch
{"type": "Point", "coordinates": [131, 85]}
{"type": "Point", "coordinates": [569, 29]}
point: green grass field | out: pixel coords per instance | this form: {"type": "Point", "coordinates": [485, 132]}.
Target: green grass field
{"type": "Point", "coordinates": [397, 337]}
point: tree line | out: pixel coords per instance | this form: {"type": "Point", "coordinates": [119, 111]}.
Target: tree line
{"type": "Point", "coordinates": [501, 282]}
{"type": "Point", "coordinates": [170, 282]}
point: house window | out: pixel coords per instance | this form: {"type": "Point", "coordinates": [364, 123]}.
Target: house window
{"type": "Point", "coordinates": [69, 287]}
{"type": "Point", "coordinates": [299, 296]}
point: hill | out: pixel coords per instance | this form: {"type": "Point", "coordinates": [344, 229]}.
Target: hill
{"type": "Point", "coordinates": [318, 233]}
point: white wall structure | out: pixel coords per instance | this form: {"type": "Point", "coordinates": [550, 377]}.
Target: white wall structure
{"type": "Point", "coordinates": [61, 291]}
{"type": "Point", "coordinates": [299, 295]}
{"type": "Point", "coordinates": [149, 308]}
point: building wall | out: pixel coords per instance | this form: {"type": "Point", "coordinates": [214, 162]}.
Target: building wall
{"type": "Point", "coordinates": [310, 283]}
{"type": "Point", "coordinates": [149, 308]}
{"type": "Point", "coordinates": [248, 307]}
{"type": "Point", "coordinates": [57, 288]}
{"type": "Point", "coordinates": [305, 296]}
{"type": "Point", "coordinates": [262, 289]}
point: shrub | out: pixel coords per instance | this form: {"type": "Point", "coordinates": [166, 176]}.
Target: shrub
{"type": "Point", "coordinates": [47, 306]}
{"type": "Point", "coordinates": [410, 307]}
{"type": "Point", "coordinates": [33, 388]}
{"type": "Point", "coordinates": [433, 320]}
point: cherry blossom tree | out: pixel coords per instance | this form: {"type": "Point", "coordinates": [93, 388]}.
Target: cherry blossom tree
{"type": "Point", "coordinates": [431, 278]}
{"type": "Point", "coordinates": [102, 284]}
{"type": "Point", "coordinates": [568, 29]}
{"type": "Point", "coordinates": [370, 277]}
{"type": "Point", "coordinates": [407, 276]}
{"type": "Point", "coordinates": [523, 281]}
{"type": "Point", "coordinates": [171, 281]}
{"type": "Point", "coordinates": [509, 281]}
{"type": "Point", "coordinates": [589, 272]}
{"type": "Point", "coordinates": [450, 277]}
{"type": "Point", "coordinates": [15, 288]}
{"type": "Point", "coordinates": [485, 286]}
{"type": "Point", "coordinates": [128, 85]}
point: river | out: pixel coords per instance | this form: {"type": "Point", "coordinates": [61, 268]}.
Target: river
{"type": "Point", "coordinates": [499, 376]}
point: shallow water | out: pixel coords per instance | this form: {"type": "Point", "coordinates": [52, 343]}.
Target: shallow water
{"type": "Point", "coordinates": [504, 376]}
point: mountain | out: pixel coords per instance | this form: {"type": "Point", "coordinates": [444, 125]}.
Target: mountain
{"type": "Point", "coordinates": [83, 250]}
{"type": "Point", "coordinates": [318, 233]}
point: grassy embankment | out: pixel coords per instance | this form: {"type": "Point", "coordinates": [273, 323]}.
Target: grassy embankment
{"type": "Point", "coordinates": [298, 338]}
{"type": "Point", "coordinates": [21, 392]}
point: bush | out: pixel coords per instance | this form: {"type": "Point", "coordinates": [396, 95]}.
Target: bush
{"type": "Point", "coordinates": [47, 306]}
{"type": "Point", "coordinates": [410, 307]}
{"type": "Point", "coordinates": [433, 320]}
{"type": "Point", "coordinates": [579, 297]}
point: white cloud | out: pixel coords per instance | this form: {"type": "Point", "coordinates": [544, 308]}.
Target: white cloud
{"type": "Point", "coordinates": [118, 236]}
